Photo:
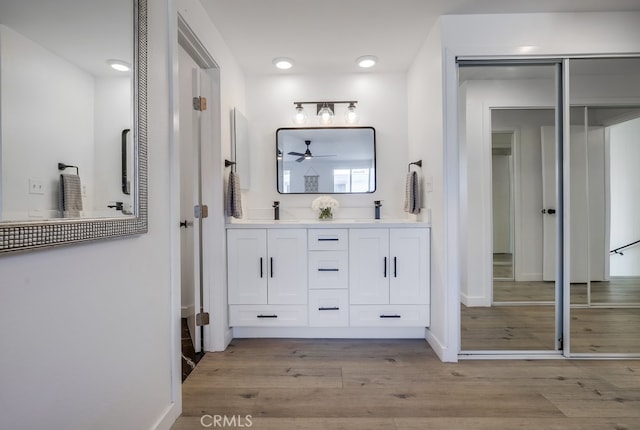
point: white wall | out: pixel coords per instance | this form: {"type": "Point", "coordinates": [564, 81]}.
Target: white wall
{"type": "Point", "coordinates": [86, 329]}
{"type": "Point", "coordinates": [46, 110]}
{"type": "Point", "coordinates": [426, 113]}
{"type": "Point", "coordinates": [112, 115]}
{"type": "Point", "coordinates": [382, 104]}
{"type": "Point", "coordinates": [625, 197]}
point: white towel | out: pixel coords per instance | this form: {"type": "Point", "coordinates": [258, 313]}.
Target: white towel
{"type": "Point", "coordinates": [233, 204]}
{"type": "Point", "coordinates": [70, 197]}
{"type": "Point", "coordinates": [412, 194]}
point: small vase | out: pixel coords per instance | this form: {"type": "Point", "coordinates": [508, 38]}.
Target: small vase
{"type": "Point", "coordinates": [325, 214]}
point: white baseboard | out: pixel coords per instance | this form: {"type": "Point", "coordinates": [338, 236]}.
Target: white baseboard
{"type": "Point", "coordinates": [475, 301]}
{"type": "Point", "coordinates": [168, 418]}
{"type": "Point", "coordinates": [438, 347]}
{"type": "Point", "coordinates": [187, 311]}
{"type": "Point", "coordinates": [331, 332]}
{"type": "Point", "coordinates": [529, 277]}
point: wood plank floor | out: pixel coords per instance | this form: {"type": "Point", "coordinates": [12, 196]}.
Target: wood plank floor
{"type": "Point", "coordinates": [401, 385]}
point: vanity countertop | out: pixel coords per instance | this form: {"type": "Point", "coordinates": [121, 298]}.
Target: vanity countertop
{"type": "Point", "coordinates": [337, 223]}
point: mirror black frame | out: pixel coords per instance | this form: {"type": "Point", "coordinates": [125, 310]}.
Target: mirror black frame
{"type": "Point", "coordinates": [373, 130]}
{"type": "Point", "coordinates": [30, 235]}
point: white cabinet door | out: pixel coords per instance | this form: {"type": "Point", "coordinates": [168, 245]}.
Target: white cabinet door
{"type": "Point", "coordinates": [287, 251]}
{"type": "Point", "coordinates": [369, 266]}
{"type": "Point", "coordinates": [409, 266]}
{"type": "Point", "coordinates": [247, 266]}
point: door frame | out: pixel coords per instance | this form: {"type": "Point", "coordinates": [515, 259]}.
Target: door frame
{"type": "Point", "coordinates": [217, 334]}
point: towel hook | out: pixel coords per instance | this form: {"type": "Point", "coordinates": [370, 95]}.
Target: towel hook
{"type": "Point", "coordinates": [62, 166]}
{"type": "Point", "coordinates": [228, 163]}
{"type": "Point", "coordinates": [417, 163]}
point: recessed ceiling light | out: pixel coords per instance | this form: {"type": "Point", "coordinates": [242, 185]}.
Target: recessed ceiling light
{"type": "Point", "coordinates": [367, 61]}
{"type": "Point", "coordinates": [283, 63]}
{"type": "Point", "coordinates": [118, 65]}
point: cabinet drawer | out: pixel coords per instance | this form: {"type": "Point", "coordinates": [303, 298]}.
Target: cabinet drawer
{"type": "Point", "coordinates": [328, 308]}
{"type": "Point", "coordinates": [389, 316]}
{"type": "Point", "coordinates": [267, 316]}
{"type": "Point", "coordinates": [328, 239]}
{"type": "Point", "coordinates": [328, 269]}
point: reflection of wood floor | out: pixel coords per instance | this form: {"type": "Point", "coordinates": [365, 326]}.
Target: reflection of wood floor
{"type": "Point", "coordinates": [311, 384]}
{"type": "Point", "coordinates": [503, 266]}
{"type": "Point", "coordinates": [531, 327]}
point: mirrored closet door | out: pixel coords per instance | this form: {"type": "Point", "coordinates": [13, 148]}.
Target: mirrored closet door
{"type": "Point", "coordinates": [510, 207]}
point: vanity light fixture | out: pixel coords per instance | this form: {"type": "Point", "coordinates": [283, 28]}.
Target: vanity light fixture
{"type": "Point", "coordinates": [283, 63]}
{"type": "Point", "coordinates": [326, 112]}
{"type": "Point", "coordinates": [367, 61]}
{"type": "Point", "coordinates": [120, 66]}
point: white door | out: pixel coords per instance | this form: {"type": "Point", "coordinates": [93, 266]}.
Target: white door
{"type": "Point", "coordinates": [369, 266]}
{"type": "Point", "coordinates": [190, 237]}
{"type": "Point", "coordinates": [549, 203]}
{"type": "Point", "coordinates": [247, 266]}
{"type": "Point", "coordinates": [587, 205]}
{"type": "Point", "coordinates": [409, 266]}
{"type": "Point", "coordinates": [287, 252]}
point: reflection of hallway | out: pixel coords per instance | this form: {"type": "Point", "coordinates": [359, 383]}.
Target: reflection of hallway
{"type": "Point", "coordinates": [503, 266]}
{"type": "Point", "coordinates": [604, 327]}
{"type": "Point", "coordinates": [513, 328]}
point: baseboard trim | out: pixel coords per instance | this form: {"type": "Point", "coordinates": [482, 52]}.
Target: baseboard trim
{"type": "Point", "coordinates": [438, 347]}
{"type": "Point", "coordinates": [331, 332]}
{"type": "Point", "coordinates": [187, 311]}
{"type": "Point", "coordinates": [476, 301]}
{"type": "Point", "coordinates": [167, 419]}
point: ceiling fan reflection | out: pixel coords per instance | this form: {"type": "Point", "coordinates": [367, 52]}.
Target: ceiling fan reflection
{"type": "Point", "coordinates": [307, 154]}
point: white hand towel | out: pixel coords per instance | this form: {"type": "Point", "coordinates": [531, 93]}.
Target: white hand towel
{"type": "Point", "coordinates": [70, 197]}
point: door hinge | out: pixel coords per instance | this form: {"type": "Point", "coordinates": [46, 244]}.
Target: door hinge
{"type": "Point", "coordinates": [202, 319]}
{"type": "Point", "coordinates": [200, 103]}
{"type": "Point", "coordinates": [561, 344]}
{"type": "Point", "coordinates": [201, 211]}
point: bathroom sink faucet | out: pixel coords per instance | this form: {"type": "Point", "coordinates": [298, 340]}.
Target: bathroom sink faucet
{"type": "Point", "coordinates": [378, 205]}
{"type": "Point", "coordinates": [276, 210]}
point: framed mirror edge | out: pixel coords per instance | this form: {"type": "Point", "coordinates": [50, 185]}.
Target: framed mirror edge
{"type": "Point", "coordinates": [21, 236]}
{"type": "Point", "coordinates": [333, 127]}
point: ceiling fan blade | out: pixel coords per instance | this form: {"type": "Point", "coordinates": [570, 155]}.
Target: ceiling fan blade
{"type": "Point", "coordinates": [301, 159]}
{"type": "Point", "coordinates": [296, 153]}
{"type": "Point", "coordinates": [326, 155]}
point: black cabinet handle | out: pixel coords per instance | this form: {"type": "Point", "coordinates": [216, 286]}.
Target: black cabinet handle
{"type": "Point", "coordinates": [385, 267]}
{"type": "Point", "coordinates": [395, 267]}
{"type": "Point", "coordinates": [261, 270]}
{"type": "Point", "coordinates": [329, 309]}
{"type": "Point", "coordinates": [271, 265]}
{"type": "Point", "coordinates": [390, 316]}
{"type": "Point", "coordinates": [328, 239]}
{"type": "Point", "coordinates": [328, 270]}
{"type": "Point", "coordinates": [267, 316]}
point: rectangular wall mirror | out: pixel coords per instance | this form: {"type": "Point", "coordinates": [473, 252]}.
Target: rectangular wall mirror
{"type": "Point", "coordinates": [326, 160]}
{"type": "Point", "coordinates": [72, 127]}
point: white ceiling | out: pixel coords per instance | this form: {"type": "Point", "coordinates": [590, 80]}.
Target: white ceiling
{"type": "Point", "coordinates": [328, 35]}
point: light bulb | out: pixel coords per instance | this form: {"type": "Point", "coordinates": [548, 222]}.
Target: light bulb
{"type": "Point", "coordinates": [300, 117]}
{"type": "Point", "coordinates": [351, 116]}
{"type": "Point", "coordinates": [325, 115]}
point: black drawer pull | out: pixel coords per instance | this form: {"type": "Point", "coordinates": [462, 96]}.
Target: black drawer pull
{"type": "Point", "coordinates": [267, 316]}
{"type": "Point", "coordinates": [395, 267]}
{"type": "Point", "coordinates": [329, 309]}
{"type": "Point", "coordinates": [385, 267]}
{"type": "Point", "coordinates": [390, 316]}
{"type": "Point", "coordinates": [328, 239]}
{"type": "Point", "coordinates": [328, 270]}
{"type": "Point", "coordinates": [261, 270]}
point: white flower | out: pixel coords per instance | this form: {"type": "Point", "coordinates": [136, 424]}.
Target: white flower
{"type": "Point", "coordinates": [324, 202]}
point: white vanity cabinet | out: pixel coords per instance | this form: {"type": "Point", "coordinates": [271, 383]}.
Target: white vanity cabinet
{"type": "Point", "coordinates": [267, 276]}
{"type": "Point", "coordinates": [328, 280]}
{"type": "Point", "coordinates": [389, 276]}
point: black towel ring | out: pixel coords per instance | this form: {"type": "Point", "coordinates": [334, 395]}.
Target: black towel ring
{"type": "Point", "coordinates": [62, 166]}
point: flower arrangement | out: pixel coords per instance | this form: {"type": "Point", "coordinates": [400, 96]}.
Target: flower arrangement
{"type": "Point", "coordinates": [325, 206]}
